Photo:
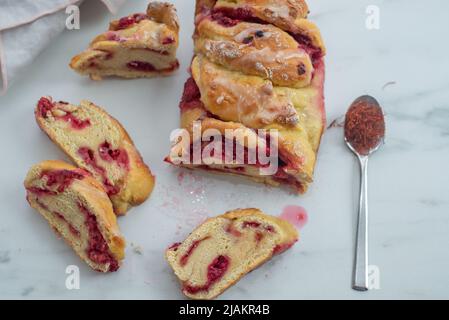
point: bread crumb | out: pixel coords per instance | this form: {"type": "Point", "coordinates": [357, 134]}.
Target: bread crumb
{"type": "Point", "coordinates": [137, 249]}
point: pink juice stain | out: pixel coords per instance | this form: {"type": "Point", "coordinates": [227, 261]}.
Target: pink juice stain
{"type": "Point", "coordinates": [296, 215]}
{"type": "Point", "coordinates": [181, 176]}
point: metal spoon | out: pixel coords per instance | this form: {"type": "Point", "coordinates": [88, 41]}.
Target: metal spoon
{"type": "Point", "coordinates": [360, 275]}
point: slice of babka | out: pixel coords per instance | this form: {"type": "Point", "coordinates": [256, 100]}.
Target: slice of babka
{"type": "Point", "coordinates": [139, 45]}
{"type": "Point", "coordinates": [98, 143]}
{"type": "Point", "coordinates": [223, 249]}
{"type": "Point", "coordinates": [77, 208]}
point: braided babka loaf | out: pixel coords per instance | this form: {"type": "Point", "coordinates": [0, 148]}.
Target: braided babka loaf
{"type": "Point", "coordinates": [139, 45]}
{"type": "Point", "coordinates": [98, 143]}
{"type": "Point", "coordinates": [77, 208]}
{"type": "Point", "coordinates": [258, 64]}
{"type": "Point", "coordinates": [223, 249]}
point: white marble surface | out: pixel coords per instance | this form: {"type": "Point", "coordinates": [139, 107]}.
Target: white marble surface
{"type": "Point", "coordinates": [409, 196]}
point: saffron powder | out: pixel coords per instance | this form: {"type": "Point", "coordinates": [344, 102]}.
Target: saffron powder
{"type": "Point", "coordinates": [364, 125]}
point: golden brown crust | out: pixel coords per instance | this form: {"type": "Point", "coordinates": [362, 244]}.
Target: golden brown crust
{"type": "Point", "coordinates": [204, 6]}
{"type": "Point", "coordinates": [289, 15]}
{"type": "Point", "coordinates": [286, 236]}
{"type": "Point", "coordinates": [258, 50]}
{"type": "Point", "coordinates": [165, 13]}
{"type": "Point", "coordinates": [90, 193]}
{"type": "Point", "coordinates": [294, 9]}
{"type": "Point", "coordinates": [138, 183]}
{"type": "Point", "coordinates": [249, 100]}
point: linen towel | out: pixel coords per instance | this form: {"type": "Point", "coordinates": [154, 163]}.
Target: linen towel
{"type": "Point", "coordinates": [27, 27]}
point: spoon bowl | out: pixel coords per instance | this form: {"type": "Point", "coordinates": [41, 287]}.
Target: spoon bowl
{"type": "Point", "coordinates": [377, 147]}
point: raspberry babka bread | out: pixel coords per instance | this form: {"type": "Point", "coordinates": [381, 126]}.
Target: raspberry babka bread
{"type": "Point", "coordinates": [223, 249]}
{"type": "Point", "coordinates": [99, 144]}
{"type": "Point", "coordinates": [139, 45]}
{"type": "Point", "coordinates": [77, 208]}
{"type": "Point", "coordinates": [258, 65]}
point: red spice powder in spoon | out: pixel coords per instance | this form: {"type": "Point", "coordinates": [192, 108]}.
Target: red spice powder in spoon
{"type": "Point", "coordinates": [364, 125]}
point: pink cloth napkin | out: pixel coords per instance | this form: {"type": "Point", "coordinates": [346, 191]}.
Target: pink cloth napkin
{"type": "Point", "coordinates": [27, 27]}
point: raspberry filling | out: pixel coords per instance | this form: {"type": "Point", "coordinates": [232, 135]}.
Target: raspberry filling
{"type": "Point", "coordinates": [191, 95]}
{"type": "Point", "coordinates": [41, 204]}
{"type": "Point", "coordinates": [230, 17]}
{"type": "Point", "coordinates": [119, 156]}
{"type": "Point", "coordinates": [250, 224]}
{"type": "Point", "coordinates": [97, 250]}
{"type": "Point", "coordinates": [174, 246]}
{"type": "Point", "coordinates": [88, 156]}
{"type": "Point", "coordinates": [191, 99]}
{"type": "Point", "coordinates": [148, 67]}
{"type": "Point", "coordinates": [229, 154]}
{"type": "Point", "coordinates": [161, 52]}
{"type": "Point", "coordinates": [61, 178]}
{"type": "Point", "coordinates": [280, 248]}
{"type": "Point", "coordinates": [168, 40]}
{"type": "Point", "coordinates": [185, 258]}
{"type": "Point", "coordinates": [215, 271]}
{"type": "Point", "coordinates": [45, 105]}
{"type": "Point", "coordinates": [128, 21]}
{"type": "Point", "coordinates": [113, 36]}
{"type": "Point", "coordinates": [233, 231]}
{"type": "Point", "coordinates": [41, 191]}
{"type": "Point", "coordinates": [259, 236]}
{"type": "Point", "coordinates": [141, 66]}
{"type": "Point", "coordinates": [280, 175]}
{"type": "Point", "coordinates": [72, 229]}
{"type": "Point", "coordinates": [75, 122]}
{"type": "Point", "coordinates": [256, 225]}
{"type": "Point", "coordinates": [283, 177]}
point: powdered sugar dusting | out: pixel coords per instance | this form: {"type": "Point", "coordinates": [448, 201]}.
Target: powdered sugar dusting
{"type": "Point", "coordinates": [187, 201]}
{"type": "Point", "coordinates": [279, 10]}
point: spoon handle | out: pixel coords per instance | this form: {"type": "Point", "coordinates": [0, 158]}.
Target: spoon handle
{"type": "Point", "coordinates": [360, 279]}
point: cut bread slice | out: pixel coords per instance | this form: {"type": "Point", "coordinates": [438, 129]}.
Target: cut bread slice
{"type": "Point", "coordinates": [139, 45]}
{"type": "Point", "coordinates": [77, 208]}
{"type": "Point", "coordinates": [99, 144]}
{"type": "Point", "coordinates": [223, 249]}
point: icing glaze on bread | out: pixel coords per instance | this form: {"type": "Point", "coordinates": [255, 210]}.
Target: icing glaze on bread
{"type": "Point", "coordinates": [258, 65]}
{"type": "Point", "coordinates": [139, 45]}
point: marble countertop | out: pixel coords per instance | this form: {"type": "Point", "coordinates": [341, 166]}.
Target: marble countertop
{"type": "Point", "coordinates": [403, 63]}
